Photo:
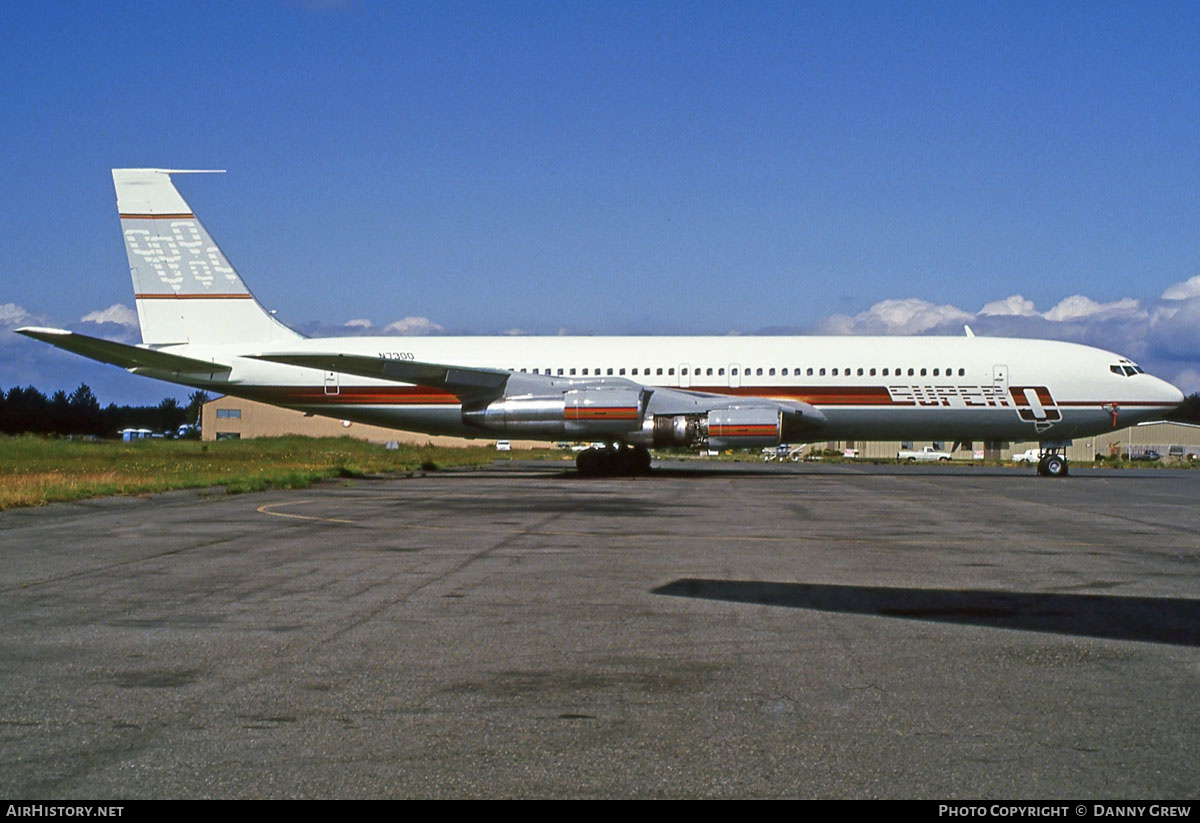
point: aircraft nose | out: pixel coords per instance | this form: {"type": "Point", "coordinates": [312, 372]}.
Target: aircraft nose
{"type": "Point", "coordinates": [1168, 393]}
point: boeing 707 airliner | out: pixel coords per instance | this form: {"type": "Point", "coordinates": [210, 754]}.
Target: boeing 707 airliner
{"type": "Point", "coordinates": [202, 327]}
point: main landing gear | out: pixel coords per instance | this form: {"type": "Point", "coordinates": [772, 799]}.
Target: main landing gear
{"type": "Point", "coordinates": [1052, 464]}
{"type": "Point", "coordinates": [614, 460]}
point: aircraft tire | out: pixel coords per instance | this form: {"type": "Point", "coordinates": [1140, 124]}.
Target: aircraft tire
{"type": "Point", "coordinates": [622, 461]}
{"type": "Point", "coordinates": [1055, 466]}
{"type": "Point", "coordinates": [605, 462]}
{"type": "Point", "coordinates": [641, 460]}
{"type": "Point", "coordinates": [588, 463]}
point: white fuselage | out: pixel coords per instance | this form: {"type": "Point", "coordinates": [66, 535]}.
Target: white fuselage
{"type": "Point", "coordinates": [867, 388]}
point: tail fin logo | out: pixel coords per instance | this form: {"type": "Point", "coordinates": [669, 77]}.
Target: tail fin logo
{"type": "Point", "coordinates": [179, 255]}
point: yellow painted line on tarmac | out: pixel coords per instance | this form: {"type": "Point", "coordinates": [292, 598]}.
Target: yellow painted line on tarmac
{"type": "Point", "coordinates": [267, 509]}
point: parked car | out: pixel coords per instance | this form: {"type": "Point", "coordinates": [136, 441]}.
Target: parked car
{"type": "Point", "coordinates": [1028, 456]}
{"type": "Point", "coordinates": [927, 453]}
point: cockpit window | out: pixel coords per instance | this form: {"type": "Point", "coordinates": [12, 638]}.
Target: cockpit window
{"type": "Point", "coordinates": [1126, 371]}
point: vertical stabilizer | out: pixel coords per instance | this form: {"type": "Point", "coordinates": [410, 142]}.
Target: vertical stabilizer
{"type": "Point", "coordinates": [185, 289]}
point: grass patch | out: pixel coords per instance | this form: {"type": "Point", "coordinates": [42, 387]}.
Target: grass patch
{"type": "Point", "coordinates": [38, 470]}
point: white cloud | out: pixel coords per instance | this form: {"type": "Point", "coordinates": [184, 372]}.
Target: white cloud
{"type": "Point", "coordinates": [1077, 307]}
{"type": "Point", "coordinates": [1187, 381]}
{"type": "Point", "coordinates": [1013, 306]}
{"type": "Point", "coordinates": [1183, 291]}
{"type": "Point", "coordinates": [359, 323]}
{"type": "Point", "coordinates": [1175, 329]}
{"type": "Point", "coordinates": [1164, 335]}
{"type": "Point", "coordinates": [910, 315]}
{"type": "Point", "coordinates": [116, 313]}
{"type": "Point", "coordinates": [414, 326]}
{"type": "Point", "coordinates": [13, 315]}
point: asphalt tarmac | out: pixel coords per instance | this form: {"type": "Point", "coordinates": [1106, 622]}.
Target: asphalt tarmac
{"type": "Point", "coordinates": [796, 631]}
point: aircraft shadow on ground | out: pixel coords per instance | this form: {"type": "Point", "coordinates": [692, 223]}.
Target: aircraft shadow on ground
{"type": "Point", "coordinates": [1112, 617]}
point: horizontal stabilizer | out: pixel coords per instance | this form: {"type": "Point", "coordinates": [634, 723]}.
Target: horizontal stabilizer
{"type": "Point", "coordinates": [459, 380]}
{"type": "Point", "coordinates": [121, 354]}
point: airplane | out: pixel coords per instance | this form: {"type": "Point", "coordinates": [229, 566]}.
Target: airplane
{"type": "Point", "coordinates": [201, 327]}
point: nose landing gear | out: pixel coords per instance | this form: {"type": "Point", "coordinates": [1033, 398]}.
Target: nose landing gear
{"type": "Point", "coordinates": [1052, 464]}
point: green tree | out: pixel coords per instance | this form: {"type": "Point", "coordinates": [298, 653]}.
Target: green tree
{"type": "Point", "coordinates": [1188, 411]}
{"type": "Point", "coordinates": [84, 412]}
{"type": "Point", "coordinates": [196, 401]}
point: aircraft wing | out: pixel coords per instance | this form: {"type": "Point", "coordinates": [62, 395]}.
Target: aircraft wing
{"type": "Point", "coordinates": [463, 381]}
{"type": "Point", "coordinates": [134, 358]}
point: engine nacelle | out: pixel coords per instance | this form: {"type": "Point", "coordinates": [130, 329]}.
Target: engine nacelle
{"type": "Point", "coordinates": [744, 428]}
{"type": "Point", "coordinates": [737, 428]}
{"type": "Point", "coordinates": [581, 413]}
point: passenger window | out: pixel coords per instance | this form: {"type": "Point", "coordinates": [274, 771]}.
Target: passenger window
{"type": "Point", "coordinates": [822, 372]}
{"type": "Point", "coordinates": [922, 372]}
{"type": "Point", "coordinates": [610, 369]}
{"type": "Point", "coordinates": [835, 372]}
{"type": "Point", "coordinates": [810, 371]}
{"type": "Point", "coordinates": [572, 372]}
{"type": "Point", "coordinates": [621, 371]}
{"type": "Point", "coordinates": [935, 373]}
{"type": "Point", "coordinates": [962, 372]}
{"type": "Point", "coordinates": [885, 372]}
{"type": "Point", "coordinates": [911, 372]}
{"type": "Point", "coordinates": [734, 372]}
{"type": "Point", "coordinates": [720, 371]}
{"type": "Point", "coordinates": [758, 371]}
{"type": "Point", "coordinates": [671, 370]}
{"type": "Point", "coordinates": [785, 372]}
{"type": "Point", "coordinates": [872, 372]}
{"type": "Point", "coordinates": [560, 372]}
{"type": "Point", "coordinates": [860, 372]}
{"type": "Point", "coordinates": [771, 372]}
{"type": "Point", "coordinates": [658, 370]}
{"type": "Point", "coordinates": [708, 371]}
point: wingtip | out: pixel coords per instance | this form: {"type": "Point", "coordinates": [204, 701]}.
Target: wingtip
{"type": "Point", "coordinates": [36, 331]}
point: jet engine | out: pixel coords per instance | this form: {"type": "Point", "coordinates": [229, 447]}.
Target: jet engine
{"type": "Point", "coordinates": [734, 428]}
{"type": "Point", "coordinates": [579, 413]}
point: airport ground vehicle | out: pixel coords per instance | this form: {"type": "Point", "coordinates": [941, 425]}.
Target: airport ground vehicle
{"type": "Point", "coordinates": [925, 454]}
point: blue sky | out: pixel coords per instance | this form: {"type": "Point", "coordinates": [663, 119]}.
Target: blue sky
{"type": "Point", "coordinates": [601, 168]}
